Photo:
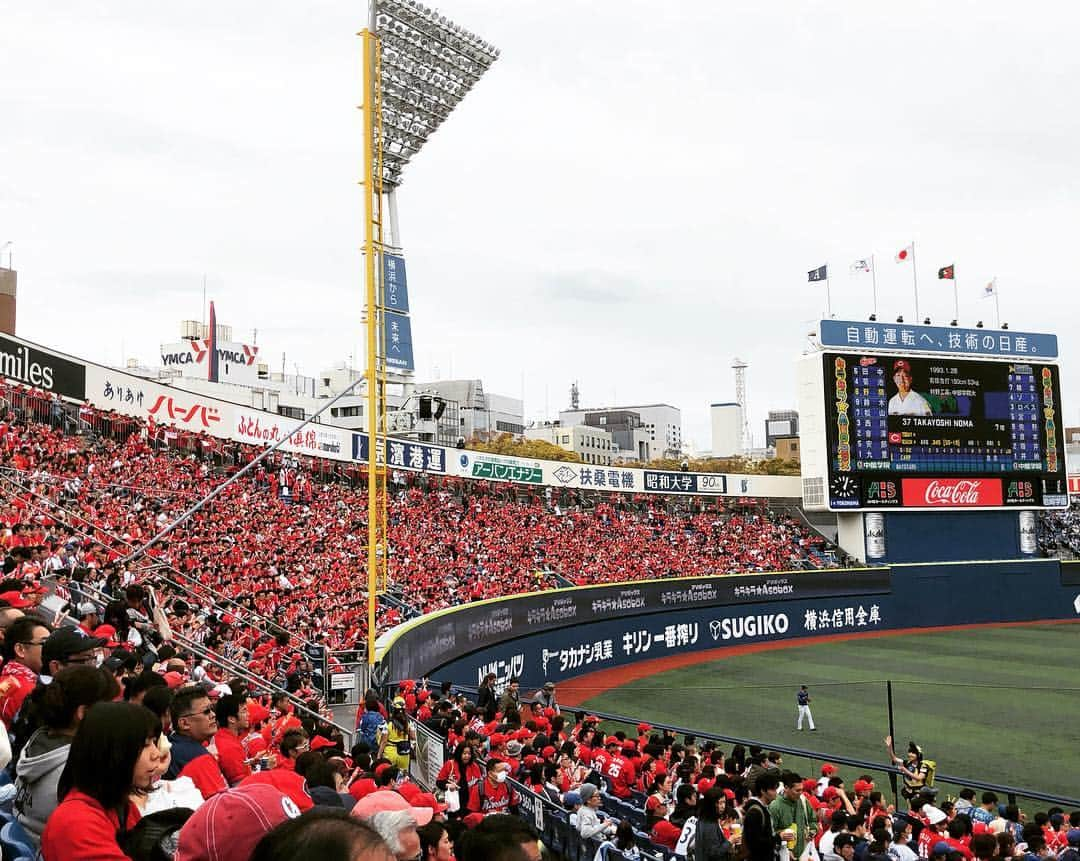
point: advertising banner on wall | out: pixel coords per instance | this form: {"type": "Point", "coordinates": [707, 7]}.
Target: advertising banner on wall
{"type": "Point", "coordinates": [483, 624]}
{"type": "Point", "coordinates": [260, 428]}
{"type": "Point", "coordinates": [133, 396]}
{"type": "Point", "coordinates": [979, 593]}
{"type": "Point", "coordinates": [28, 364]}
{"type": "Point", "coordinates": [402, 454]}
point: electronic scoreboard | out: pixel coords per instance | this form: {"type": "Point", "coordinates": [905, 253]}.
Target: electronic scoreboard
{"type": "Point", "coordinates": [916, 431]}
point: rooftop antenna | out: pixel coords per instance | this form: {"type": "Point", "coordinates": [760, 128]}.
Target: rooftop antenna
{"type": "Point", "coordinates": [575, 396]}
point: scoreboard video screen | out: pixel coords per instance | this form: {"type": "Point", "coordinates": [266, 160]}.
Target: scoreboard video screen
{"type": "Point", "coordinates": [934, 431]}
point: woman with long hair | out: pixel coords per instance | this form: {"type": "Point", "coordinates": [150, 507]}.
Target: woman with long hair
{"type": "Point", "coordinates": [116, 753]}
{"type": "Point", "coordinates": [462, 772]}
{"type": "Point", "coordinates": [398, 736]}
{"type": "Point", "coordinates": [61, 707]}
{"type": "Point", "coordinates": [710, 844]}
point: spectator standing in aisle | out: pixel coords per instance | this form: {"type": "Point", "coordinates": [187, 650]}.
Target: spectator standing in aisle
{"type": "Point", "coordinates": [760, 841]}
{"type": "Point", "coordinates": [791, 812]}
{"type": "Point", "coordinates": [485, 696]}
{"type": "Point", "coordinates": [397, 736]}
{"type": "Point", "coordinates": [802, 699]}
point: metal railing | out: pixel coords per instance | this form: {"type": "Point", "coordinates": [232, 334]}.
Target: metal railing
{"type": "Point", "coordinates": [197, 590]}
{"type": "Point", "coordinates": [1011, 792]}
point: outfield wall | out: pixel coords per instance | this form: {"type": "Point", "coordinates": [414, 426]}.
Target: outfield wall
{"type": "Point", "coordinates": [532, 638]}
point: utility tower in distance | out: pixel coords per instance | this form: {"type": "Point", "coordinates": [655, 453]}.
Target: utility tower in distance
{"type": "Point", "coordinates": [739, 367]}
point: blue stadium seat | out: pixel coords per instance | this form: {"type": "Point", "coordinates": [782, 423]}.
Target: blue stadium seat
{"type": "Point", "coordinates": [15, 841]}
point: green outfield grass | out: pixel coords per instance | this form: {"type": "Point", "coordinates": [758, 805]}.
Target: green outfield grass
{"type": "Point", "coordinates": [1001, 704]}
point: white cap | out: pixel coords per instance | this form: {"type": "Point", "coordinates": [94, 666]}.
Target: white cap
{"type": "Point", "coordinates": [935, 814]}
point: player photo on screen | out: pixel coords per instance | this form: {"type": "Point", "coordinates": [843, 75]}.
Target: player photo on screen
{"type": "Point", "coordinates": [900, 428]}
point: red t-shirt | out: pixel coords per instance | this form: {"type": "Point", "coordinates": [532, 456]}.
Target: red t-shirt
{"type": "Point", "coordinates": [80, 829]}
{"type": "Point", "coordinates": [231, 756]}
{"type": "Point", "coordinates": [621, 772]}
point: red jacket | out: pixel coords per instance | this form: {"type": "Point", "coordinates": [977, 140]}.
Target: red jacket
{"type": "Point", "coordinates": [80, 829]}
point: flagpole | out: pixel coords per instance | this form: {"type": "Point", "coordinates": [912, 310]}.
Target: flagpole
{"type": "Point", "coordinates": [997, 307]}
{"type": "Point", "coordinates": [828, 294]}
{"type": "Point", "coordinates": [956, 295]}
{"type": "Point", "coordinates": [915, 281]}
{"type": "Point", "coordinates": [873, 281]}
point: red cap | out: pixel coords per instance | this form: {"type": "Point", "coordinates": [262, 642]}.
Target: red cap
{"type": "Point", "coordinates": [548, 752]}
{"type": "Point", "coordinates": [864, 786]}
{"type": "Point", "coordinates": [643, 728]}
{"type": "Point", "coordinates": [611, 740]}
{"type": "Point", "coordinates": [426, 799]}
{"type": "Point", "coordinates": [592, 719]}
{"type": "Point", "coordinates": [827, 769]}
{"type": "Point", "coordinates": [257, 712]}
{"type": "Point", "coordinates": [227, 826]}
{"type": "Point", "coordinates": [830, 793]}
{"type": "Point", "coordinates": [409, 791]}
{"type": "Point", "coordinates": [384, 800]}
{"type": "Point", "coordinates": [174, 680]}
{"type": "Point", "coordinates": [379, 769]}
{"type": "Point", "coordinates": [362, 787]}
{"type": "Point", "coordinates": [317, 743]}
{"type": "Point", "coordinates": [652, 802]}
{"type": "Point", "coordinates": [902, 365]}
{"type": "Point", "coordinates": [729, 794]}
{"type": "Point", "coordinates": [421, 696]}
{"type": "Point", "coordinates": [809, 785]}
{"type": "Point", "coordinates": [497, 740]}
{"type": "Point", "coordinates": [407, 685]}
{"type": "Point", "coordinates": [286, 782]}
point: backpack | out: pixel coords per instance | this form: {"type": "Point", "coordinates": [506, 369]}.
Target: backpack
{"type": "Point", "coordinates": [369, 728]}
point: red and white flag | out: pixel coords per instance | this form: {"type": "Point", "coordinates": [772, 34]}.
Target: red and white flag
{"type": "Point", "coordinates": [904, 254]}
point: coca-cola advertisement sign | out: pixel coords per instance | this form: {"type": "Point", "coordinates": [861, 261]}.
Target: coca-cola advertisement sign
{"type": "Point", "coordinates": [951, 492]}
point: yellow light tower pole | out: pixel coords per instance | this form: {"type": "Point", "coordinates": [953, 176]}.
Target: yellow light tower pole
{"type": "Point", "coordinates": [400, 113]}
{"type": "Point", "coordinates": [375, 371]}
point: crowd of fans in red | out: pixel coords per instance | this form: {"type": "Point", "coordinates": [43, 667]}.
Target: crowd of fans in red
{"type": "Point", "coordinates": [85, 504]}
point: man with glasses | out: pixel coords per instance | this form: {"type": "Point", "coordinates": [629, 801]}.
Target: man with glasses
{"type": "Point", "coordinates": [22, 664]}
{"type": "Point", "coordinates": [194, 726]}
{"type": "Point", "coordinates": [66, 647]}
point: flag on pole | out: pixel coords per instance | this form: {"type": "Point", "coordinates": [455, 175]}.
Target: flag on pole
{"type": "Point", "coordinates": [990, 289]}
{"type": "Point", "coordinates": [946, 273]}
{"type": "Point", "coordinates": [819, 274]}
{"type": "Point", "coordinates": [862, 265]}
{"type": "Point", "coordinates": [904, 254]}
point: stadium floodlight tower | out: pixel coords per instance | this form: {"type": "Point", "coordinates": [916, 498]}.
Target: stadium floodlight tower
{"type": "Point", "coordinates": [417, 67]}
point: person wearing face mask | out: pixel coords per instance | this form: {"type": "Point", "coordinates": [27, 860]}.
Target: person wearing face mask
{"type": "Point", "coordinates": [492, 794]}
{"type": "Point", "coordinates": [115, 754]}
{"type": "Point", "coordinates": [397, 736]}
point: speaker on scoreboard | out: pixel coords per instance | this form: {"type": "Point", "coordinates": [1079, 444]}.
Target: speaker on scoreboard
{"type": "Point", "coordinates": [425, 408]}
{"type": "Point", "coordinates": [440, 408]}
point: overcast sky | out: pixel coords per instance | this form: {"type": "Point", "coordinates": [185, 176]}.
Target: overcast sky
{"type": "Point", "coordinates": [630, 197]}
